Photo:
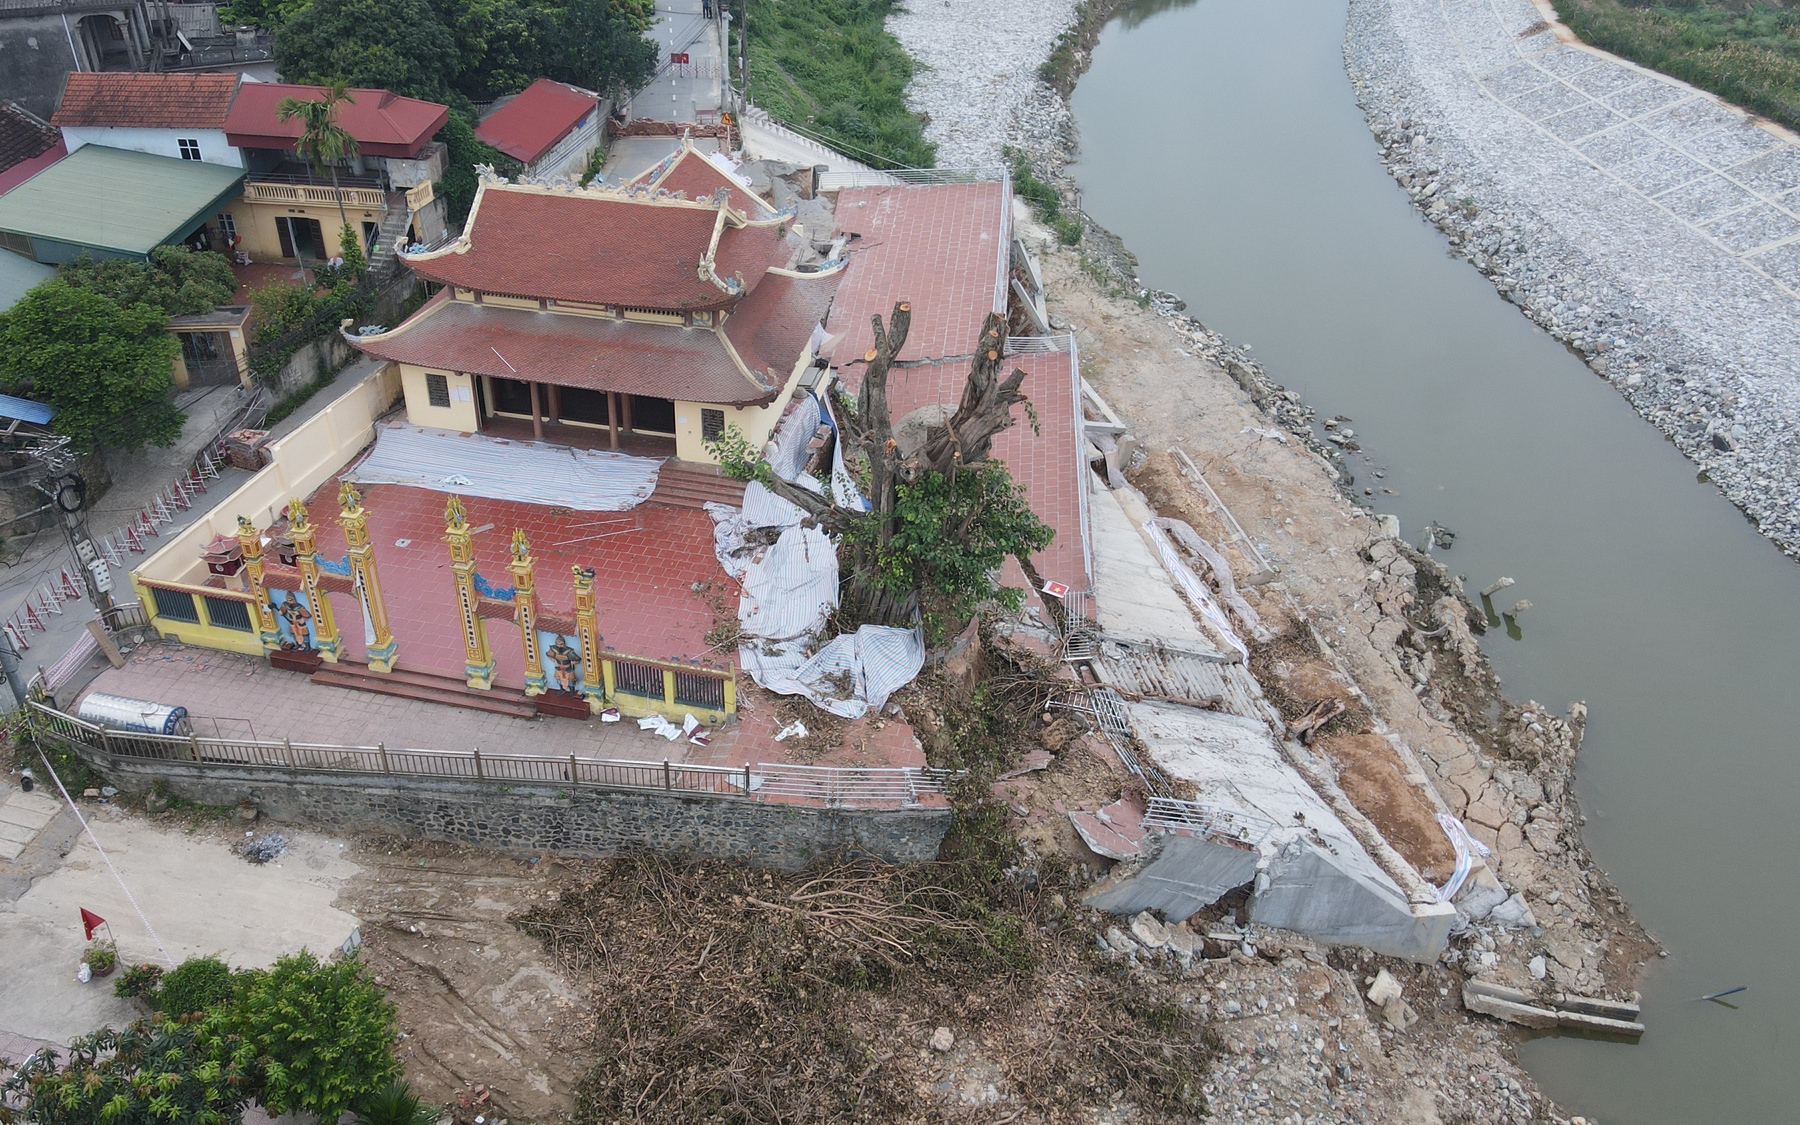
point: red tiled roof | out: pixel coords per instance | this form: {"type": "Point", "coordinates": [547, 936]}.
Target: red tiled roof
{"type": "Point", "coordinates": [699, 177]}
{"type": "Point", "coordinates": [23, 137]}
{"type": "Point", "coordinates": [771, 326]}
{"type": "Point", "coordinates": [530, 125]}
{"type": "Point", "coordinates": [942, 247]}
{"type": "Point", "coordinates": [598, 353]}
{"type": "Point", "coordinates": [145, 101]}
{"type": "Point", "coordinates": [597, 250]}
{"type": "Point", "coordinates": [1048, 464]}
{"type": "Point", "coordinates": [383, 124]}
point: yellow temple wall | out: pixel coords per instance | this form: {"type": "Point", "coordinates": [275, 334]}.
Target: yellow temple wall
{"type": "Point", "coordinates": [300, 463]}
{"type": "Point", "coordinates": [756, 422]}
{"type": "Point", "coordinates": [459, 415]}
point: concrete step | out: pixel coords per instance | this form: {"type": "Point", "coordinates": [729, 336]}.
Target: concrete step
{"type": "Point", "coordinates": [427, 687]}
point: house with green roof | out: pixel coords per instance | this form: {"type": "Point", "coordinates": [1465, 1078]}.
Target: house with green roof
{"type": "Point", "coordinates": [113, 203]}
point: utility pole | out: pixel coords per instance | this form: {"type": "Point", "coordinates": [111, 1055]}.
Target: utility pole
{"type": "Point", "coordinates": [9, 661]}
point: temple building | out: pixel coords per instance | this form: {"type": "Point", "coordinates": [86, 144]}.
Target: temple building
{"type": "Point", "coordinates": [646, 317]}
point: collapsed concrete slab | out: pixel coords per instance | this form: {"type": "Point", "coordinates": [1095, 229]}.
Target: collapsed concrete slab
{"type": "Point", "coordinates": [1254, 819]}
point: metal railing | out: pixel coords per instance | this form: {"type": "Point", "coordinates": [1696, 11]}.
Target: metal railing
{"type": "Point", "coordinates": [829, 786]}
{"type": "Point", "coordinates": [1169, 814]}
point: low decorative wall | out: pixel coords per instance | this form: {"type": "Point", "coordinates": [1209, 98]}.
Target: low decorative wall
{"type": "Point", "coordinates": [577, 821]}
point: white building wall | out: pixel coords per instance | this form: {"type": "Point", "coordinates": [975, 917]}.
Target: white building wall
{"type": "Point", "coordinates": [569, 156]}
{"type": "Point", "coordinates": [214, 148]}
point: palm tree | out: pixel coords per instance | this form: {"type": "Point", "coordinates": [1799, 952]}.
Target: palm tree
{"type": "Point", "coordinates": [395, 1104]}
{"type": "Point", "coordinates": [323, 142]}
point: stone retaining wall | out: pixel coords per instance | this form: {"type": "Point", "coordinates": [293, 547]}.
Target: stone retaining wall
{"type": "Point", "coordinates": [581, 821]}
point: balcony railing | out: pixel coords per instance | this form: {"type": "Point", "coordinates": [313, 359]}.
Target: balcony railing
{"type": "Point", "coordinates": [417, 199]}
{"type": "Point", "coordinates": [265, 191]}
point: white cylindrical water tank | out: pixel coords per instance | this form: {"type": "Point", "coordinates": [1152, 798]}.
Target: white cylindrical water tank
{"type": "Point", "coordinates": [116, 712]}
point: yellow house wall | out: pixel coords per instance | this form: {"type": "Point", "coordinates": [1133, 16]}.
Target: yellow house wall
{"type": "Point", "coordinates": [301, 462]}
{"type": "Point", "coordinates": [256, 226]}
{"type": "Point", "coordinates": [756, 422]}
{"type": "Point", "coordinates": [204, 633]}
{"type": "Point", "coordinates": [459, 415]}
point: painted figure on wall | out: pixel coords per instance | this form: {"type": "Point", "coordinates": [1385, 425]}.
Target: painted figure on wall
{"type": "Point", "coordinates": [296, 618]}
{"type": "Point", "coordinates": [565, 662]}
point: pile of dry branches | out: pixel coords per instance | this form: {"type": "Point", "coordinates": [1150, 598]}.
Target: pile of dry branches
{"type": "Point", "coordinates": [722, 994]}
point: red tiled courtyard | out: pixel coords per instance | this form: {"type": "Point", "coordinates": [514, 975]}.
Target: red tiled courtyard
{"type": "Point", "coordinates": [647, 562]}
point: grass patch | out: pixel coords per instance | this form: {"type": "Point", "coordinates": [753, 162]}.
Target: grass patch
{"type": "Point", "coordinates": [1043, 197]}
{"type": "Point", "coordinates": [830, 67]}
{"type": "Point", "coordinates": [1748, 54]}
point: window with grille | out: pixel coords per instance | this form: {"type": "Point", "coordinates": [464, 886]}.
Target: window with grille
{"type": "Point", "coordinates": [638, 679]}
{"type": "Point", "coordinates": [227, 224]}
{"type": "Point", "coordinates": [712, 423]}
{"type": "Point", "coordinates": [176, 605]}
{"type": "Point", "coordinates": [228, 614]}
{"type": "Point", "coordinates": [437, 389]}
{"type": "Point", "coordinates": [190, 148]}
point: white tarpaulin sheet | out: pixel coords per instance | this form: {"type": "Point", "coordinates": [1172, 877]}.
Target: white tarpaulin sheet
{"type": "Point", "coordinates": [586, 480]}
{"type": "Point", "coordinates": [789, 456]}
{"type": "Point", "coordinates": [789, 590]}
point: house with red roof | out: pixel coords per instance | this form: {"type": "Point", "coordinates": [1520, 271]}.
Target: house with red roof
{"type": "Point", "coordinates": [638, 317]}
{"type": "Point", "coordinates": [288, 210]}
{"type": "Point", "coordinates": [550, 127]}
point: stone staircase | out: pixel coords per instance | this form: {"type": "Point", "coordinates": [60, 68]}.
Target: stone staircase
{"type": "Point", "coordinates": [427, 687]}
{"type": "Point", "coordinates": [684, 485]}
{"type": "Point", "coordinates": [393, 228]}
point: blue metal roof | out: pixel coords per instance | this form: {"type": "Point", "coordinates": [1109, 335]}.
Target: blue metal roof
{"type": "Point", "coordinates": [25, 410]}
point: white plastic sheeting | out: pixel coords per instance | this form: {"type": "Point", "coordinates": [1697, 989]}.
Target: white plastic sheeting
{"type": "Point", "coordinates": [586, 480]}
{"type": "Point", "coordinates": [789, 455]}
{"type": "Point", "coordinates": [1467, 847]}
{"type": "Point", "coordinates": [789, 590]}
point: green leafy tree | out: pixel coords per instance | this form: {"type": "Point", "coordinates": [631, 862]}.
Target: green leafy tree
{"type": "Point", "coordinates": [397, 45]}
{"type": "Point", "coordinates": [323, 143]}
{"type": "Point", "coordinates": [106, 368]}
{"type": "Point", "coordinates": [603, 48]}
{"type": "Point", "coordinates": [154, 1072]}
{"type": "Point", "coordinates": [354, 260]}
{"type": "Point", "coordinates": [943, 515]}
{"type": "Point", "coordinates": [323, 1033]}
{"type": "Point", "coordinates": [179, 281]}
{"type": "Point", "coordinates": [500, 44]}
{"type": "Point", "coordinates": [462, 153]}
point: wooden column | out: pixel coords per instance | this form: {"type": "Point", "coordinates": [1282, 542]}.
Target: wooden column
{"type": "Point", "coordinates": [553, 412]}
{"type": "Point", "coordinates": [612, 416]}
{"type": "Point", "coordinates": [537, 413]}
{"type": "Point", "coordinates": [625, 401]}
{"type": "Point", "coordinates": [525, 612]}
{"type": "Point", "coordinates": [250, 542]}
{"type": "Point", "coordinates": [587, 624]}
{"type": "Point", "coordinates": [383, 649]}
{"type": "Point", "coordinates": [479, 667]}
{"type": "Point", "coordinates": [306, 551]}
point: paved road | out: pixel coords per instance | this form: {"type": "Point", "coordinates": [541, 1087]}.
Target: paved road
{"type": "Point", "coordinates": [682, 91]}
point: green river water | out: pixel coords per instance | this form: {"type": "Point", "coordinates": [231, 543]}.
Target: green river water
{"type": "Point", "coordinates": [1221, 141]}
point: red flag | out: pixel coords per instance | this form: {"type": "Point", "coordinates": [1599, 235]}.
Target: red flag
{"type": "Point", "coordinates": [90, 922]}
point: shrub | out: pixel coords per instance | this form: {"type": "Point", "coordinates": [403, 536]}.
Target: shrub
{"type": "Point", "coordinates": [322, 1031]}
{"type": "Point", "coordinates": [195, 985]}
{"type": "Point", "coordinates": [394, 1104]}
{"type": "Point", "coordinates": [138, 980]}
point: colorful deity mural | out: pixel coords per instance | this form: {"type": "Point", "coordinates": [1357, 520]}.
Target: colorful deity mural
{"type": "Point", "coordinates": [294, 620]}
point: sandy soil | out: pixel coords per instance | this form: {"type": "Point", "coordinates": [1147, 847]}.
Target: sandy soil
{"type": "Point", "coordinates": [198, 896]}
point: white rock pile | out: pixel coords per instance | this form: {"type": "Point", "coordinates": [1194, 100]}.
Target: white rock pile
{"type": "Point", "coordinates": [1611, 205]}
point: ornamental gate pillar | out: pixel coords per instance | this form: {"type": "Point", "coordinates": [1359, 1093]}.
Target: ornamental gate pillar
{"type": "Point", "coordinates": [587, 623]}
{"type": "Point", "coordinates": [479, 667]}
{"type": "Point", "coordinates": [250, 542]}
{"type": "Point", "coordinates": [306, 551]}
{"type": "Point", "coordinates": [383, 648]}
{"type": "Point", "coordinates": [523, 568]}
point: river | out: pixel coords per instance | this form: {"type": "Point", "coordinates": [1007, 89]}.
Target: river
{"type": "Point", "coordinates": [1221, 141]}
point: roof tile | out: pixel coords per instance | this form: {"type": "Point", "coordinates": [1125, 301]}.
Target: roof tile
{"type": "Point", "coordinates": [145, 101]}
{"type": "Point", "coordinates": [383, 123]}
{"type": "Point", "coordinates": [595, 249]}
{"type": "Point", "coordinates": [23, 136]}
{"type": "Point", "coordinates": [942, 247]}
{"type": "Point", "coordinates": [529, 125]}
